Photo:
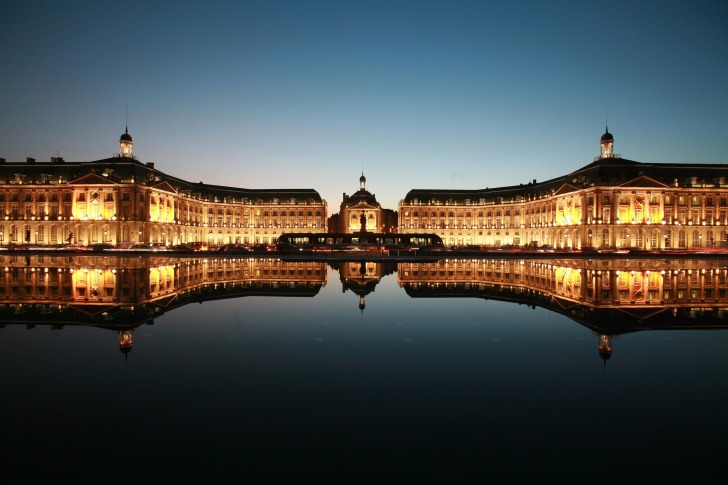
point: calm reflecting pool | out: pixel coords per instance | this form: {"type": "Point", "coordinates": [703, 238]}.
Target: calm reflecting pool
{"type": "Point", "coordinates": [261, 370]}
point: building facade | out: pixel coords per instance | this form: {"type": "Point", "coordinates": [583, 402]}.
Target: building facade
{"type": "Point", "coordinates": [612, 202]}
{"type": "Point", "coordinates": [123, 201]}
{"type": "Point", "coordinates": [361, 212]}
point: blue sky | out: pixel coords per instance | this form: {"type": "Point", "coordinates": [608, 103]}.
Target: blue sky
{"type": "Point", "coordinates": [421, 94]}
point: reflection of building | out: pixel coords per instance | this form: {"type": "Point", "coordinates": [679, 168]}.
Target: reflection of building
{"type": "Point", "coordinates": [361, 211]}
{"type": "Point", "coordinates": [362, 277]}
{"type": "Point", "coordinates": [611, 297]}
{"type": "Point", "coordinates": [121, 200]}
{"type": "Point", "coordinates": [612, 202]}
{"type": "Point", "coordinates": [123, 293]}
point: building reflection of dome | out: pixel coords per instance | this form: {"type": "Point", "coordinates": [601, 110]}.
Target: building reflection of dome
{"type": "Point", "coordinates": [605, 347]}
{"type": "Point", "coordinates": [126, 341]}
{"type": "Point", "coordinates": [362, 277]}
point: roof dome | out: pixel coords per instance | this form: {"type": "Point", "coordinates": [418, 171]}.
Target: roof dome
{"type": "Point", "coordinates": [607, 136]}
{"type": "Point", "coordinates": [125, 136]}
{"type": "Point", "coordinates": [362, 178]}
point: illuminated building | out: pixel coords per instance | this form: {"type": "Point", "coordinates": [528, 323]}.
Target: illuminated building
{"type": "Point", "coordinates": [610, 297]}
{"type": "Point", "coordinates": [612, 202]}
{"type": "Point", "coordinates": [120, 200]}
{"type": "Point", "coordinates": [120, 294]}
{"type": "Point", "coordinates": [361, 211]}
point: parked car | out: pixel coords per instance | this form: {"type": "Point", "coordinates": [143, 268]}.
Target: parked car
{"type": "Point", "coordinates": [198, 246]}
{"type": "Point", "coordinates": [234, 248]}
{"type": "Point", "coordinates": [287, 248]}
{"type": "Point", "coordinates": [140, 247]}
{"type": "Point", "coordinates": [260, 248]}
{"type": "Point", "coordinates": [102, 247]}
{"type": "Point", "coordinates": [182, 247]}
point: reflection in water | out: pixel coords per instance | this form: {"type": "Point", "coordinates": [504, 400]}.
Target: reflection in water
{"type": "Point", "coordinates": [362, 277]}
{"type": "Point", "coordinates": [611, 297]}
{"type": "Point", "coordinates": [123, 293]}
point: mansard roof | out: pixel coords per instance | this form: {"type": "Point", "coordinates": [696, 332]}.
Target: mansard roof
{"type": "Point", "coordinates": [123, 170]}
{"type": "Point", "coordinates": [361, 196]}
{"type": "Point", "coordinates": [607, 172]}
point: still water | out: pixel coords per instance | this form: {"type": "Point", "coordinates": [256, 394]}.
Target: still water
{"type": "Point", "coordinates": [269, 371]}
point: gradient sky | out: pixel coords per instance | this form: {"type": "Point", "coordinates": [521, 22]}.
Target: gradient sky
{"type": "Point", "coordinates": [421, 94]}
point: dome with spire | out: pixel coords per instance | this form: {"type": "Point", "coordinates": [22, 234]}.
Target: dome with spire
{"type": "Point", "coordinates": [125, 136]}
{"type": "Point", "coordinates": [607, 136]}
{"type": "Point", "coordinates": [126, 144]}
{"type": "Point", "coordinates": [606, 145]}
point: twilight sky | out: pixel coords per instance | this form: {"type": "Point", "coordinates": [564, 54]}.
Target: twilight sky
{"type": "Point", "coordinates": [420, 94]}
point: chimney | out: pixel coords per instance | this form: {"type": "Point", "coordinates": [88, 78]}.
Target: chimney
{"type": "Point", "coordinates": [30, 159]}
{"type": "Point", "coordinates": [150, 164]}
{"type": "Point", "coordinates": [2, 160]}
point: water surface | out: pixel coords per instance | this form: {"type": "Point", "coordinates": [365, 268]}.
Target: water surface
{"type": "Point", "coordinates": [270, 371]}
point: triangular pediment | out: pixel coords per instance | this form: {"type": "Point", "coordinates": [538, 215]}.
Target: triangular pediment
{"type": "Point", "coordinates": [642, 313]}
{"type": "Point", "coordinates": [165, 301]}
{"type": "Point", "coordinates": [564, 303]}
{"type": "Point", "coordinates": [165, 187]}
{"type": "Point", "coordinates": [91, 179]}
{"type": "Point", "coordinates": [643, 181]}
{"type": "Point", "coordinates": [92, 309]}
{"type": "Point", "coordinates": [362, 205]}
{"type": "Point", "coordinates": [565, 189]}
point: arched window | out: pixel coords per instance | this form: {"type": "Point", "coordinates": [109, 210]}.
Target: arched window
{"type": "Point", "coordinates": [623, 237]}
{"type": "Point", "coordinates": [697, 239]}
